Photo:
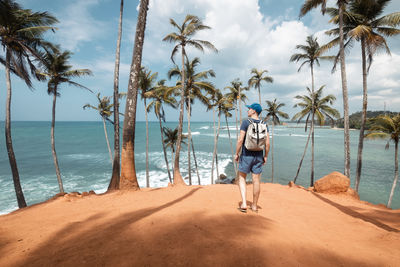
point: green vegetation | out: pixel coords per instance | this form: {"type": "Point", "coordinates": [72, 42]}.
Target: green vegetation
{"type": "Point", "coordinates": [355, 119]}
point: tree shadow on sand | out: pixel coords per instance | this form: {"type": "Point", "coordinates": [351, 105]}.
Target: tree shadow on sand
{"type": "Point", "coordinates": [152, 237]}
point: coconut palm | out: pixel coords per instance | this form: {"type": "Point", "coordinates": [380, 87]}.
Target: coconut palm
{"type": "Point", "coordinates": [341, 4]}
{"type": "Point", "coordinates": [128, 172]}
{"type": "Point", "coordinates": [236, 96]}
{"type": "Point", "coordinates": [104, 107]}
{"type": "Point", "coordinates": [257, 78]}
{"type": "Point", "coordinates": [171, 139]}
{"type": "Point", "coordinates": [184, 37]}
{"type": "Point", "coordinates": [274, 114]}
{"type": "Point", "coordinates": [362, 22]}
{"type": "Point", "coordinates": [56, 69]}
{"type": "Point", "coordinates": [158, 96]}
{"type": "Point", "coordinates": [321, 110]}
{"type": "Point", "coordinates": [114, 182]}
{"type": "Point", "coordinates": [147, 81]}
{"type": "Point", "coordinates": [197, 87]}
{"type": "Point", "coordinates": [311, 54]}
{"type": "Point", "coordinates": [388, 127]}
{"type": "Point", "coordinates": [226, 108]}
{"type": "Point", "coordinates": [21, 32]}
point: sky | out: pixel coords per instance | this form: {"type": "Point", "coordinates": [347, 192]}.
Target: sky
{"type": "Point", "coordinates": [249, 34]}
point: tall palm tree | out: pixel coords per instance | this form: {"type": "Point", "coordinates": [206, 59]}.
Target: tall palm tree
{"type": "Point", "coordinates": [21, 32]}
{"type": "Point", "coordinates": [274, 114]}
{"type": "Point", "coordinates": [226, 108]}
{"type": "Point", "coordinates": [257, 78]}
{"type": "Point", "coordinates": [388, 127]}
{"type": "Point", "coordinates": [341, 4]}
{"type": "Point", "coordinates": [114, 182]}
{"type": "Point", "coordinates": [147, 81]}
{"type": "Point", "coordinates": [311, 54]}
{"type": "Point", "coordinates": [197, 87]}
{"type": "Point", "coordinates": [158, 96]}
{"type": "Point", "coordinates": [362, 22]}
{"type": "Point", "coordinates": [56, 69]}
{"type": "Point", "coordinates": [105, 110]}
{"type": "Point", "coordinates": [321, 110]}
{"type": "Point", "coordinates": [184, 37]}
{"type": "Point", "coordinates": [128, 172]}
{"type": "Point", "coordinates": [236, 95]}
{"type": "Point", "coordinates": [171, 139]}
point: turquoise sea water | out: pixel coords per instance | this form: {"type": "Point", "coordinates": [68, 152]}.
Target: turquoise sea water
{"type": "Point", "coordinates": [85, 164]}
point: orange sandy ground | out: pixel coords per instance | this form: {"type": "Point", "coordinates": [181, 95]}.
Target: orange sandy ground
{"type": "Point", "coordinates": [200, 226]}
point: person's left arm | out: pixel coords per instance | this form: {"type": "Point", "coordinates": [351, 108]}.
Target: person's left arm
{"type": "Point", "coordinates": [239, 144]}
{"type": "Point", "coordinates": [266, 149]}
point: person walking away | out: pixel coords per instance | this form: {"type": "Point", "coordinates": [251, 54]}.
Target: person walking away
{"type": "Point", "coordinates": [253, 143]}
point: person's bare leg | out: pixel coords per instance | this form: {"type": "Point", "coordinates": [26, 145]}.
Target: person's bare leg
{"type": "Point", "coordinates": [256, 190]}
{"type": "Point", "coordinates": [242, 188]}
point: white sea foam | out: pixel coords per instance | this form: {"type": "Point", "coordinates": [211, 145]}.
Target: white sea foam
{"type": "Point", "coordinates": [204, 128]}
{"type": "Point", "coordinates": [193, 133]}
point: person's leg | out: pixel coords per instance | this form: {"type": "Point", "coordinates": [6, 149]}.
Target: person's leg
{"type": "Point", "coordinates": [242, 188]}
{"type": "Point", "coordinates": [256, 190]}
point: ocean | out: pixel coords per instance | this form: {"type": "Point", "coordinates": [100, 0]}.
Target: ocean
{"type": "Point", "coordinates": [85, 163]}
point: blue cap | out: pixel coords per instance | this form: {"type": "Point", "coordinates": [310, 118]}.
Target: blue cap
{"type": "Point", "coordinates": [256, 107]}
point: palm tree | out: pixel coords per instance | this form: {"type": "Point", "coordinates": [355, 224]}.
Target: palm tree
{"type": "Point", "coordinates": [196, 84]}
{"type": "Point", "coordinates": [171, 139]}
{"type": "Point", "coordinates": [114, 182]}
{"type": "Point", "coordinates": [362, 23]}
{"type": "Point", "coordinates": [56, 69]}
{"type": "Point", "coordinates": [159, 98]}
{"type": "Point", "coordinates": [274, 113]}
{"type": "Point", "coordinates": [311, 55]}
{"type": "Point", "coordinates": [257, 78]}
{"type": "Point", "coordinates": [190, 26]}
{"type": "Point", "coordinates": [128, 172]}
{"type": "Point", "coordinates": [226, 108]}
{"type": "Point", "coordinates": [308, 6]}
{"type": "Point", "coordinates": [236, 95]}
{"type": "Point", "coordinates": [146, 83]}
{"type": "Point", "coordinates": [388, 127]}
{"type": "Point", "coordinates": [21, 32]}
{"type": "Point", "coordinates": [104, 108]}
{"type": "Point", "coordinates": [321, 110]}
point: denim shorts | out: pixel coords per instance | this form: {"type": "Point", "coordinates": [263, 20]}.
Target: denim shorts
{"type": "Point", "coordinates": [252, 164]}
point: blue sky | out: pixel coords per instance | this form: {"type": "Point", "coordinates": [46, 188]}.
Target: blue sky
{"type": "Point", "coordinates": [251, 33]}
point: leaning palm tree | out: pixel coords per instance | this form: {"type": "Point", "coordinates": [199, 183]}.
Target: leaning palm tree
{"type": "Point", "coordinates": [147, 81]}
{"type": "Point", "coordinates": [274, 113]}
{"type": "Point", "coordinates": [226, 108]}
{"type": "Point", "coordinates": [56, 69]}
{"type": "Point", "coordinates": [105, 110]}
{"type": "Point", "coordinates": [236, 96]}
{"type": "Point", "coordinates": [321, 110]}
{"type": "Point", "coordinates": [307, 7]}
{"type": "Point", "coordinates": [388, 127]}
{"type": "Point", "coordinates": [362, 22]}
{"type": "Point", "coordinates": [158, 96]}
{"type": "Point", "coordinates": [128, 172]}
{"type": "Point", "coordinates": [184, 37]}
{"type": "Point", "coordinates": [197, 87]}
{"type": "Point", "coordinates": [21, 32]}
{"type": "Point", "coordinates": [311, 54]}
{"type": "Point", "coordinates": [114, 182]}
{"type": "Point", "coordinates": [257, 78]}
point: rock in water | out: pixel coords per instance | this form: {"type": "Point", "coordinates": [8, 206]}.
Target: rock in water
{"type": "Point", "coordinates": [334, 182]}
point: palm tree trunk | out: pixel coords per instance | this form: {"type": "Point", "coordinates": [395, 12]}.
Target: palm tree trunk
{"type": "Point", "coordinates": [108, 143]}
{"type": "Point", "coordinates": [272, 151]}
{"type": "Point", "coordinates": [230, 141]}
{"type": "Point", "coordinates": [165, 152]}
{"type": "Point", "coordinates": [236, 118]}
{"type": "Point", "coordinates": [53, 146]}
{"type": "Point", "coordinates": [363, 116]}
{"type": "Point", "coordinates": [177, 174]}
{"type": "Point", "coordinates": [195, 163]}
{"type": "Point", "coordinates": [216, 147]}
{"type": "Point", "coordinates": [302, 158]}
{"type": "Point", "coordinates": [312, 125]}
{"type": "Point", "coordinates": [10, 150]}
{"type": "Point", "coordinates": [345, 95]}
{"type": "Point", "coordinates": [240, 107]}
{"type": "Point", "coordinates": [147, 145]}
{"type": "Point", "coordinates": [128, 171]}
{"type": "Point", "coordinates": [396, 172]}
{"type": "Point", "coordinates": [114, 182]}
{"type": "Point", "coordinates": [215, 150]}
{"type": "Point", "coordinates": [259, 94]}
{"type": "Point", "coordinates": [189, 139]}
{"type": "Point", "coordinates": [215, 140]}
